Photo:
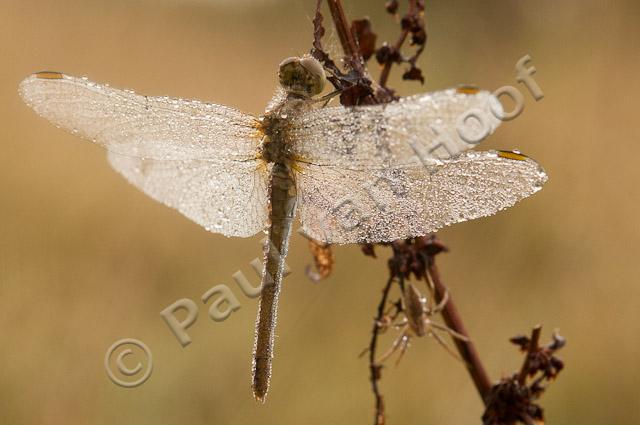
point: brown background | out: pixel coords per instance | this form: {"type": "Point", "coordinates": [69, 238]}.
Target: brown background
{"type": "Point", "coordinates": [85, 259]}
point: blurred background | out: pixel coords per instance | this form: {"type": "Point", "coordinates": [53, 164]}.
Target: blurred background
{"type": "Point", "coordinates": [86, 259]}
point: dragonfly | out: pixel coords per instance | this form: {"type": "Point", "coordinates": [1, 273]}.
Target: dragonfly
{"type": "Point", "coordinates": [359, 174]}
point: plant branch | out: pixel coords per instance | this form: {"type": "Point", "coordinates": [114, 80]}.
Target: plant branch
{"type": "Point", "coordinates": [510, 400]}
{"type": "Point", "coordinates": [348, 42]}
{"type": "Point", "coordinates": [466, 349]}
{"type": "Point", "coordinates": [412, 24]}
{"type": "Point", "coordinates": [386, 69]}
{"type": "Point", "coordinates": [450, 313]}
{"type": "Point", "coordinates": [533, 348]}
{"type": "Point", "coordinates": [374, 367]}
{"type": "Point", "coordinates": [384, 74]}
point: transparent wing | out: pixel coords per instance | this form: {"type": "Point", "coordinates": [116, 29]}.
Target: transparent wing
{"type": "Point", "coordinates": [413, 130]}
{"type": "Point", "coordinates": [196, 157]}
{"type": "Point", "coordinates": [339, 205]}
{"type": "Point", "coordinates": [147, 127]}
{"type": "Point", "coordinates": [228, 198]}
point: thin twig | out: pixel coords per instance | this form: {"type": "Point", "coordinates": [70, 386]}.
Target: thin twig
{"type": "Point", "coordinates": [374, 367]}
{"type": "Point", "coordinates": [348, 42]}
{"type": "Point", "coordinates": [386, 69]}
{"type": "Point", "coordinates": [466, 349]}
{"type": "Point", "coordinates": [384, 74]}
{"type": "Point", "coordinates": [411, 24]}
{"type": "Point", "coordinates": [534, 344]}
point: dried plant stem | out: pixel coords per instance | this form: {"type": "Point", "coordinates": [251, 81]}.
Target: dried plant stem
{"type": "Point", "coordinates": [450, 313]}
{"type": "Point", "coordinates": [466, 349]}
{"type": "Point", "coordinates": [533, 347]}
{"type": "Point", "coordinates": [386, 69]}
{"type": "Point", "coordinates": [374, 367]}
{"type": "Point", "coordinates": [348, 42]}
{"type": "Point", "coordinates": [384, 74]}
{"type": "Point", "coordinates": [505, 402]}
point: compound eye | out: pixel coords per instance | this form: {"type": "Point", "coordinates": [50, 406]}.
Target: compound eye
{"type": "Point", "coordinates": [290, 73]}
{"type": "Point", "coordinates": [289, 61]}
{"type": "Point", "coordinates": [316, 73]}
{"type": "Point", "coordinates": [302, 76]}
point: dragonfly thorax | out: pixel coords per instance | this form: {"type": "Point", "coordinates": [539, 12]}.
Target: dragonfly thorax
{"type": "Point", "coordinates": [300, 80]}
{"type": "Point", "coordinates": [273, 147]}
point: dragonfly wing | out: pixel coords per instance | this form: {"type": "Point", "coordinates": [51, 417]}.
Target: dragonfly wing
{"type": "Point", "coordinates": [196, 157]}
{"type": "Point", "coordinates": [224, 197]}
{"type": "Point", "coordinates": [416, 129]}
{"type": "Point", "coordinates": [146, 127]}
{"type": "Point", "coordinates": [342, 205]}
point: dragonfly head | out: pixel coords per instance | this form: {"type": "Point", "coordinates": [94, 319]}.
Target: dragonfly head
{"type": "Point", "coordinates": [302, 76]}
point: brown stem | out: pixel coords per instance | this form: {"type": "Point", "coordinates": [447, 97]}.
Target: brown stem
{"type": "Point", "coordinates": [386, 69]}
{"type": "Point", "coordinates": [348, 42]}
{"type": "Point", "coordinates": [450, 313]}
{"type": "Point", "coordinates": [534, 343]}
{"type": "Point", "coordinates": [466, 349]}
{"type": "Point", "coordinates": [374, 367]}
{"type": "Point", "coordinates": [353, 57]}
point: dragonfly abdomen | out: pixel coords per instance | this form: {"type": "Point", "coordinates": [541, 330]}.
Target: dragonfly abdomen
{"type": "Point", "coordinates": [282, 212]}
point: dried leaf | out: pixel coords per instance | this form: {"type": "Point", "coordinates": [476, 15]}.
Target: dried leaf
{"type": "Point", "coordinates": [413, 73]}
{"type": "Point", "coordinates": [369, 250]}
{"type": "Point", "coordinates": [391, 6]}
{"type": "Point", "coordinates": [418, 37]}
{"type": "Point", "coordinates": [388, 54]}
{"type": "Point", "coordinates": [353, 95]}
{"type": "Point", "coordinates": [512, 400]}
{"type": "Point", "coordinates": [511, 403]}
{"type": "Point", "coordinates": [365, 37]}
{"type": "Point", "coordinates": [521, 341]}
{"type": "Point", "coordinates": [323, 260]}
